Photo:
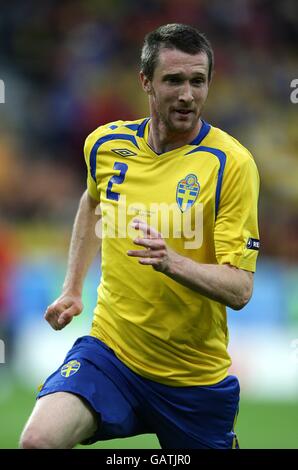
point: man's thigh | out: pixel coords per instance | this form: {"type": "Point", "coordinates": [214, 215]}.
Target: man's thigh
{"type": "Point", "coordinates": [59, 421]}
{"type": "Point", "coordinates": [109, 397]}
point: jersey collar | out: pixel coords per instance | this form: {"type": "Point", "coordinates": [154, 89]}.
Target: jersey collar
{"type": "Point", "coordinates": [143, 131]}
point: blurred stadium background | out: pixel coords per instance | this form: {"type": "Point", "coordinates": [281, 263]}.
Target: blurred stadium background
{"type": "Point", "coordinates": [69, 66]}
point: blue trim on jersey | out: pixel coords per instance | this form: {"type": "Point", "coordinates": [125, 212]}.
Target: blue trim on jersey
{"type": "Point", "coordinates": [222, 162]}
{"type": "Point", "coordinates": [101, 141]}
{"type": "Point", "coordinates": [142, 126]}
{"type": "Point", "coordinates": [202, 134]}
{"type": "Point", "coordinates": [133, 127]}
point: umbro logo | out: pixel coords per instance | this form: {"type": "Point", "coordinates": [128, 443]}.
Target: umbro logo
{"type": "Point", "coordinates": [124, 152]}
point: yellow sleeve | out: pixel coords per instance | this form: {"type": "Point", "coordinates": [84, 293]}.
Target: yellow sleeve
{"type": "Point", "coordinates": [91, 183]}
{"type": "Point", "coordinates": [236, 234]}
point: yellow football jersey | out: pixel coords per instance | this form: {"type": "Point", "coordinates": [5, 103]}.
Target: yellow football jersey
{"type": "Point", "coordinates": [203, 198]}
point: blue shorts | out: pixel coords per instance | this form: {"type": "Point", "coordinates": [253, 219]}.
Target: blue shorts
{"type": "Point", "coordinates": [192, 417]}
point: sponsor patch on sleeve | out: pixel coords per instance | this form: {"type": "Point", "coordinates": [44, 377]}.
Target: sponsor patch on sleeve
{"type": "Point", "coordinates": [253, 244]}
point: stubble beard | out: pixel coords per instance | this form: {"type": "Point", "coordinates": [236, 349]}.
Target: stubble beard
{"type": "Point", "coordinates": [177, 128]}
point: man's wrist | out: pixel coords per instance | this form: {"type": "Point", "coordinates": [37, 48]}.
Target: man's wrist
{"type": "Point", "coordinates": [72, 290]}
{"type": "Point", "coordinates": [175, 265]}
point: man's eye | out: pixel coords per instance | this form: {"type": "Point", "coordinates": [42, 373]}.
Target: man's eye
{"type": "Point", "coordinates": [198, 81]}
{"type": "Point", "coordinates": [174, 80]}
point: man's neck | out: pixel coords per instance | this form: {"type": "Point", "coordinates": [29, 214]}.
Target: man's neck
{"type": "Point", "coordinates": [162, 140]}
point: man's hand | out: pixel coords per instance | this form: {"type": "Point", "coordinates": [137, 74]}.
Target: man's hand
{"type": "Point", "coordinates": [157, 254]}
{"type": "Point", "coordinates": [61, 312]}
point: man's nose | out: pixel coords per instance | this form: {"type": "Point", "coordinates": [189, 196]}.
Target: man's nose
{"type": "Point", "coordinates": [186, 93]}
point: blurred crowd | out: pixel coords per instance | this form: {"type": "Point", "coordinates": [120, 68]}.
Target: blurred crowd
{"type": "Point", "coordinates": [70, 66]}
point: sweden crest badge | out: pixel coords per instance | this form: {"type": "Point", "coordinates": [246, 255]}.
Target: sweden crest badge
{"type": "Point", "coordinates": [70, 368]}
{"type": "Point", "coordinates": [187, 192]}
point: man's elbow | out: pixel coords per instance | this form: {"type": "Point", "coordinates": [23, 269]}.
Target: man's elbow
{"type": "Point", "coordinates": [239, 301]}
{"type": "Point", "coordinates": [239, 304]}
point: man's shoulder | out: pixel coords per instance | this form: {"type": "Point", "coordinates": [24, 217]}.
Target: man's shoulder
{"type": "Point", "coordinates": [235, 152]}
{"type": "Point", "coordinates": [113, 128]}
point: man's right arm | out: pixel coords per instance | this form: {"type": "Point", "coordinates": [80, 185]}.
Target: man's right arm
{"type": "Point", "coordinates": [84, 246]}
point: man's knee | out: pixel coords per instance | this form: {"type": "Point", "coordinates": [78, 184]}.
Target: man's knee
{"type": "Point", "coordinates": [58, 421]}
{"type": "Point", "coordinates": [34, 438]}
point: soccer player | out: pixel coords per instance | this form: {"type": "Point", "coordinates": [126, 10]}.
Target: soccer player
{"type": "Point", "coordinates": [179, 243]}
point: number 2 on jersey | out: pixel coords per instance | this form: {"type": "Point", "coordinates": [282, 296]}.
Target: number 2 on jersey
{"type": "Point", "coordinates": [116, 179]}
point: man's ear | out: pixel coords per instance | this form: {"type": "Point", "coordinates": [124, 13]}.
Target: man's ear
{"type": "Point", "coordinates": [146, 83]}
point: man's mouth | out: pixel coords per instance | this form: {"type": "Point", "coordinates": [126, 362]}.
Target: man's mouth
{"type": "Point", "coordinates": [184, 112]}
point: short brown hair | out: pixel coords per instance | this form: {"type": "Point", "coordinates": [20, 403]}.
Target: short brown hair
{"type": "Point", "coordinates": [174, 36]}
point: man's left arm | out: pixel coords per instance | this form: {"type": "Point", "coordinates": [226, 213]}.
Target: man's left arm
{"type": "Point", "coordinates": [223, 283]}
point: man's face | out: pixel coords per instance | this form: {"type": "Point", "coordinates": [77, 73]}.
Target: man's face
{"type": "Point", "coordinates": [178, 89]}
